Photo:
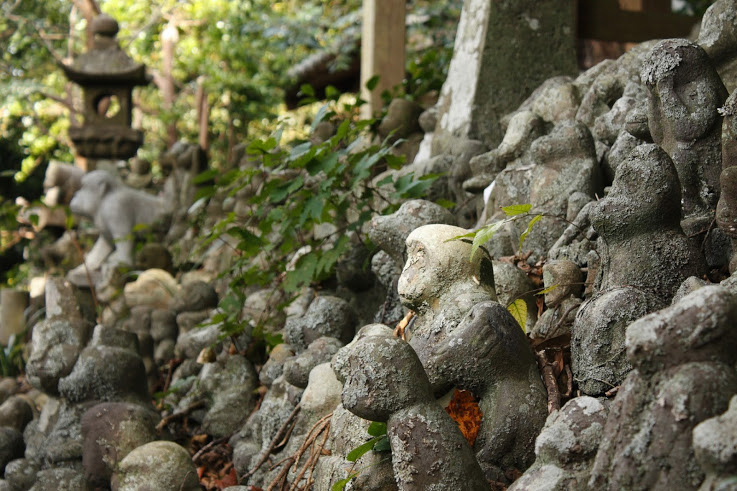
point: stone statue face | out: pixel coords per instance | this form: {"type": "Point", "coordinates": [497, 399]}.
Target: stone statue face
{"type": "Point", "coordinates": [416, 279]}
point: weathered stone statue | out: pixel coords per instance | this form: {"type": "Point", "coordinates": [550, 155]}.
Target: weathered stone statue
{"type": "Point", "coordinates": [116, 210]}
{"type": "Point", "coordinates": [563, 281]}
{"type": "Point", "coordinates": [566, 447]}
{"type": "Point", "coordinates": [726, 216]}
{"type": "Point", "coordinates": [645, 257]}
{"type": "Point", "coordinates": [685, 93]}
{"type": "Point", "coordinates": [384, 381]}
{"type": "Point", "coordinates": [684, 373]}
{"type": "Point", "coordinates": [467, 340]}
{"type": "Point", "coordinates": [715, 446]}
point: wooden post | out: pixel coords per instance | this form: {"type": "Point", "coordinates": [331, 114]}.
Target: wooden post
{"type": "Point", "coordinates": [382, 49]}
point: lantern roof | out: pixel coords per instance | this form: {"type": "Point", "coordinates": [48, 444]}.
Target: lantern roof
{"type": "Point", "coordinates": [106, 63]}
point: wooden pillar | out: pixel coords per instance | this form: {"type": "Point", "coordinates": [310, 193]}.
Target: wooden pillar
{"type": "Point", "coordinates": [382, 49]}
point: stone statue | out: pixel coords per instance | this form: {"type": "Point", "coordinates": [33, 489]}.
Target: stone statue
{"type": "Point", "coordinates": [715, 446]}
{"type": "Point", "coordinates": [645, 257]}
{"type": "Point", "coordinates": [384, 381]}
{"type": "Point", "coordinates": [684, 373]}
{"type": "Point", "coordinates": [466, 339]}
{"type": "Point", "coordinates": [116, 210]}
{"type": "Point", "coordinates": [726, 215]}
{"type": "Point", "coordinates": [685, 93]}
{"type": "Point", "coordinates": [566, 447]}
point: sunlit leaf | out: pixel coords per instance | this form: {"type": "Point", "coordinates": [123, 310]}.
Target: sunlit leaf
{"type": "Point", "coordinates": [377, 428]}
{"type": "Point", "coordinates": [518, 309]}
{"type": "Point", "coordinates": [513, 210]}
{"type": "Point", "coordinates": [524, 235]}
{"type": "Point", "coordinates": [548, 289]}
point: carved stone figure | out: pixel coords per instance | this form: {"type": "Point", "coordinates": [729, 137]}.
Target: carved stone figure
{"type": "Point", "coordinates": [566, 447]}
{"type": "Point", "coordinates": [685, 93]}
{"type": "Point", "coordinates": [684, 373]}
{"type": "Point", "coordinates": [715, 446]}
{"type": "Point", "coordinates": [466, 339]}
{"type": "Point", "coordinates": [563, 282]}
{"type": "Point", "coordinates": [115, 209]}
{"type": "Point", "coordinates": [384, 381]}
{"type": "Point", "coordinates": [645, 257]}
{"type": "Point", "coordinates": [726, 216]}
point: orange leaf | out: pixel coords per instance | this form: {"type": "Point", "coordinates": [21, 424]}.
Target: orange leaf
{"type": "Point", "coordinates": [230, 479]}
{"type": "Point", "coordinates": [464, 410]}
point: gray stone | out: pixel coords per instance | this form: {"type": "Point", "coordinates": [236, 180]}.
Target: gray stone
{"type": "Point", "coordinates": [16, 412]}
{"type": "Point", "coordinates": [60, 478]}
{"type": "Point", "coordinates": [189, 344]}
{"type": "Point", "coordinates": [326, 316]}
{"type": "Point", "coordinates": [566, 447]}
{"type": "Point", "coordinates": [390, 232]}
{"type": "Point", "coordinates": [8, 387]}
{"type": "Point", "coordinates": [645, 258]}
{"type": "Point", "coordinates": [274, 366]}
{"type": "Point", "coordinates": [187, 321]}
{"type": "Point", "coordinates": [153, 256]}
{"type": "Point", "coordinates": [21, 474]}
{"type": "Point", "coordinates": [513, 284]}
{"type": "Point", "coordinates": [109, 369]}
{"type": "Point", "coordinates": [156, 465]}
{"type": "Point", "coordinates": [110, 431]}
{"type": "Point", "coordinates": [154, 288]}
{"type": "Point", "coordinates": [401, 120]}
{"type": "Point", "coordinates": [297, 369]}
{"type": "Point", "coordinates": [685, 93]}
{"type": "Point", "coordinates": [56, 436]}
{"type": "Point", "coordinates": [488, 354]}
{"type": "Point", "coordinates": [683, 359]}
{"type": "Point", "coordinates": [715, 448]}
{"type": "Point", "coordinates": [55, 346]}
{"type": "Point", "coordinates": [195, 296]}
{"type": "Point", "coordinates": [384, 381]}
{"type": "Point", "coordinates": [488, 78]}
{"type": "Point", "coordinates": [163, 325]}
{"type": "Point", "coordinates": [718, 37]}
{"type": "Point", "coordinates": [11, 445]}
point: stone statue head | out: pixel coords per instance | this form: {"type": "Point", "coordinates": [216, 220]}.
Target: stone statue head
{"type": "Point", "coordinates": [698, 328]}
{"type": "Point", "coordinates": [381, 374]}
{"type": "Point", "coordinates": [437, 266]}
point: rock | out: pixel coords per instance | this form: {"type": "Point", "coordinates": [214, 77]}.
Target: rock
{"type": "Point", "coordinates": [11, 445]}
{"type": "Point", "coordinates": [718, 37]}
{"type": "Point", "coordinates": [153, 256]}
{"type": "Point", "coordinates": [56, 436]}
{"type": "Point", "coordinates": [156, 465]}
{"type": "Point", "coordinates": [715, 448]}
{"type": "Point", "coordinates": [187, 321]}
{"type": "Point", "coordinates": [512, 284]}
{"type": "Point", "coordinates": [21, 474]}
{"type": "Point", "coordinates": [384, 381]}
{"type": "Point", "coordinates": [688, 127]}
{"type": "Point", "coordinates": [683, 358]}
{"type": "Point", "coordinates": [645, 258]}
{"type": "Point", "coordinates": [401, 120]}
{"type": "Point", "coordinates": [16, 412]}
{"type": "Point", "coordinates": [163, 325]}
{"type": "Point", "coordinates": [55, 346]}
{"type": "Point", "coordinates": [274, 366]}
{"type": "Point", "coordinates": [566, 447]}
{"type": "Point", "coordinates": [154, 288]}
{"type": "Point", "coordinates": [326, 316]}
{"type": "Point", "coordinates": [298, 369]}
{"type": "Point", "coordinates": [195, 296]}
{"type": "Point", "coordinates": [109, 369]}
{"type": "Point", "coordinates": [189, 344]}
{"type": "Point", "coordinates": [110, 431]}
{"type": "Point", "coordinates": [60, 478]}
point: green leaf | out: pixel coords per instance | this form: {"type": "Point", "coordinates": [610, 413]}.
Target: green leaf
{"type": "Point", "coordinates": [372, 82]}
{"type": "Point", "coordinates": [303, 273]}
{"type": "Point", "coordinates": [205, 176]}
{"type": "Point", "coordinates": [518, 309]}
{"type": "Point", "coordinates": [524, 235]}
{"type": "Point", "coordinates": [513, 210]}
{"type": "Point", "coordinates": [340, 485]}
{"type": "Point", "coordinates": [548, 289]}
{"type": "Point", "coordinates": [445, 203]}
{"type": "Point", "coordinates": [307, 90]}
{"type": "Point", "coordinates": [484, 235]}
{"type": "Point", "coordinates": [383, 445]}
{"type": "Point", "coordinates": [377, 428]}
{"type": "Point", "coordinates": [360, 450]}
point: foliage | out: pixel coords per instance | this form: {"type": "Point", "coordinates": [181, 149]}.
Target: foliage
{"type": "Point", "coordinates": [311, 203]}
{"type": "Point", "coordinates": [518, 309]}
{"type": "Point", "coordinates": [378, 443]}
{"type": "Point", "coordinates": [12, 363]}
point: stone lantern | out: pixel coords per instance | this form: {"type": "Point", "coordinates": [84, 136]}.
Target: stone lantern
{"type": "Point", "coordinates": [107, 76]}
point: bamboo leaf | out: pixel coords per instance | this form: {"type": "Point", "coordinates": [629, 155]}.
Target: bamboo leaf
{"type": "Point", "coordinates": [548, 289]}
{"type": "Point", "coordinates": [360, 450]}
